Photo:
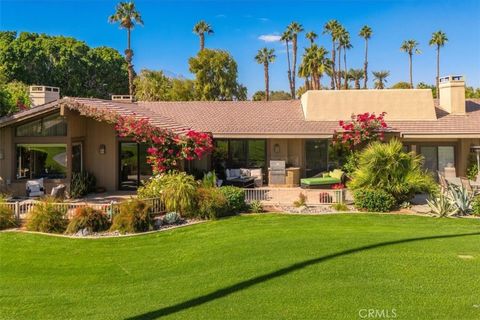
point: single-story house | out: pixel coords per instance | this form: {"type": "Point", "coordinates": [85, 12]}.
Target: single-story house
{"type": "Point", "coordinates": [57, 136]}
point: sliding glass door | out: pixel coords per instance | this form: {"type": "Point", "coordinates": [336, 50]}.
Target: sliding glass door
{"type": "Point", "coordinates": [316, 156]}
{"type": "Point", "coordinates": [133, 165]}
{"type": "Point", "coordinates": [437, 158]}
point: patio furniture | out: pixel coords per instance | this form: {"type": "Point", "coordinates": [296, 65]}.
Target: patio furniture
{"type": "Point", "coordinates": [235, 178]}
{"type": "Point", "coordinates": [34, 188]}
{"type": "Point", "coordinates": [323, 179]}
{"type": "Point", "coordinates": [58, 192]}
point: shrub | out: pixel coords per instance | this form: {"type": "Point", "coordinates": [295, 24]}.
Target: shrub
{"type": "Point", "coordinates": [209, 180]}
{"type": "Point", "coordinates": [340, 207]}
{"type": "Point", "coordinates": [461, 198]}
{"type": "Point", "coordinates": [211, 204]}
{"type": "Point", "coordinates": [256, 206]}
{"type": "Point", "coordinates": [302, 200]}
{"type": "Point", "coordinates": [88, 218]}
{"type": "Point", "coordinates": [152, 188]}
{"type": "Point", "coordinates": [374, 200]}
{"type": "Point", "coordinates": [7, 218]}
{"type": "Point", "coordinates": [385, 166]}
{"type": "Point", "coordinates": [134, 216]}
{"type": "Point", "coordinates": [442, 205]}
{"type": "Point", "coordinates": [235, 198]}
{"type": "Point", "coordinates": [476, 206]}
{"type": "Point", "coordinates": [46, 217]}
{"type": "Point", "coordinates": [178, 192]}
{"type": "Point", "coordinates": [81, 184]}
{"type": "Point", "coordinates": [171, 218]}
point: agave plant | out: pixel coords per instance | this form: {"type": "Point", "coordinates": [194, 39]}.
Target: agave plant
{"type": "Point", "coordinates": [442, 205]}
{"type": "Point", "coordinates": [461, 198]}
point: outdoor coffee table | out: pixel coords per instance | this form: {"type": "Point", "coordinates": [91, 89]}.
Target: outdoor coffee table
{"type": "Point", "coordinates": [241, 182]}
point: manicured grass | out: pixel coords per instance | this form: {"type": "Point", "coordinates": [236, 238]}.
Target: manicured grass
{"type": "Point", "coordinates": [250, 267]}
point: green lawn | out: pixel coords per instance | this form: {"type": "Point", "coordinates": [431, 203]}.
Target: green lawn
{"type": "Point", "coordinates": [250, 267]}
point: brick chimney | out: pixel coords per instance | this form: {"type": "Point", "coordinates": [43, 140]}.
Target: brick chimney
{"type": "Point", "coordinates": [43, 94]}
{"type": "Point", "coordinates": [452, 94]}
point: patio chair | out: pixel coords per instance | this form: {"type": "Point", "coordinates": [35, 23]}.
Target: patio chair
{"type": "Point", "coordinates": [34, 188]}
{"type": "Point", "coordinates": [58, 192]}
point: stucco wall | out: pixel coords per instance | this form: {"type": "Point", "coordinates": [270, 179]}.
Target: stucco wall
{"type": "Point", "coordinates": [400, 104]}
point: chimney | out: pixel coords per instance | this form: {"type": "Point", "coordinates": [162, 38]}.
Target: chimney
{"type": "Point", "coordinates": [452, 94]}
{"type": "Point", "coordinates": [122, 98]}
{"type": "Point", "coordinates": [43, 94]}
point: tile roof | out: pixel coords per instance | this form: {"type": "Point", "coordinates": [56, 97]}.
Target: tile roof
{"type": "Point", "coordinates": [262, 118]}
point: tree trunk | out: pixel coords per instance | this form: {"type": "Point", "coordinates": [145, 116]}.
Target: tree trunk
{"type": "Point", "coordinates": [345, 67]}
{"type": "Point", "coordinates": [357, 84]}
{"type": "Point", "coordinates": [365, 66]}
{"type": "Point", "coordinates": [334, 77]}
{"type": "Point", "coordinates": [339, 73]}
{"type": "Point", "coordinates": [294, 71]}
{"type": "Point", "coordinates": [267, 88]}
{"type": "Point", "coordinates": [411, 73]}
{"type": "Point", "coordinates": [129, 57]}
{"type": "Point", "coordinates": [202, 41]}
{"type": "Point", "coordinates": [289, 71]}
{"type": "Point", "coordinates": [438, 72]}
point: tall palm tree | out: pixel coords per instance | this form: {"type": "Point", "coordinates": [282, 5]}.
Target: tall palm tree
{"type": "Point", "coordinates": [127, 16]}
{"type": "Point", "coordinates": [311, 36]}
{"type": "Point", "coordinates": [314, 64]}
{"type": "Point", "coordinates": [438, 39]}
{"type": "Point", "coordinates": [356, 75]}
{"type": "Point", "coordinates": [339, 33]}
{"type": "Point", "coordinates": [365, 33]}
{"type": "Point", "coordinates": [287, 37]}
{"type": "Point", "coordinates": [410, 47]}
{"type": "Point", "coordinates": [330, 28]}
{"type": "Point", "coordinates": [265, 56]}
{"type": "Point", "coordinates": [200, 29]}
{"type": "Point", "coordinates": [380, 78]}
{"type": "Point", "coordinates": [295, 28]}
{"type": "Point", "coordinates": [344, 42]}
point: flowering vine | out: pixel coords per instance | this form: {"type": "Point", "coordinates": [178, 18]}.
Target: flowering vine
{"type": "Point", "coordinates": [360, 129]}
{"type": "Point", "coordinates": [166, 148]}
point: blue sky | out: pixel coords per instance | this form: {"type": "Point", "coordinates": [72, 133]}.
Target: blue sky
{"type": "Point", "coordinates": [166, 41]}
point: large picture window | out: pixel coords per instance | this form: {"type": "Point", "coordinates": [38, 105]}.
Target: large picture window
{"type": "Point", "coordinates": [437, 158]}
{"type": "Point", "coordinates": [50, 126]}
{"type": "Point", "coordinates": [242, 153]}
{"type": "Point", "coordinates": [41, 161]}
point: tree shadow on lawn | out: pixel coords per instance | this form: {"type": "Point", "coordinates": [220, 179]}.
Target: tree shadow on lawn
{"type": "Point", "coordinates": [220, 293]}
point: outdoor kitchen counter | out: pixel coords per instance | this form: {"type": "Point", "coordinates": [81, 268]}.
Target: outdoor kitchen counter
{"type": "Point", "coordinates": [292, 178]}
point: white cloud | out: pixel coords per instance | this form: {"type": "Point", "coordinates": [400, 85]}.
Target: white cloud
{"type": "Point", "coordinates": [270, 37]}
{"type": "Point", "coordinates": [221, 15]}
{"type": "Point", "coordinates": [264, 19]}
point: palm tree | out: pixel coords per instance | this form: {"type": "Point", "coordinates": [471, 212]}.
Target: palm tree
{"type": "Point", "coordinates": [311, 36]}
{"type": "Point", "coordinates": [330, 28]}
{"type": "Point", "coordinates": [410, 47]}
{"type": "Point", "coordinates": [365, 33]}
{"type": "Point", "coordinates": [287, 37]}
{"type": "Point", "coordinates": [438, 39]}
{"type": "Point", "coordinates": [265, 56]}
{"type": "Point", "coordinates": [345, 44]}
{"type": "Point", "coordinates": [339, 33]}
{"type": "Point", "coordinates": [356, 75]}
{"type": "Point", "coordinates": [314, 64]}
{"type": "Point", "coordinates": [200, 29]}
{"type": "Point", "coordinates": [380, 78]}
{"type": "Point", "coordinates": [295, 28]}
{"type": "Point", "coordinates": [127, 15]}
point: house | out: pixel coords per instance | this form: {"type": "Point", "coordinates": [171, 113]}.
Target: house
{"type": "Point", "coordinates": [57, 136]}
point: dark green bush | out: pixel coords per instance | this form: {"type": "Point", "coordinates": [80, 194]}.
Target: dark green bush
{"type": "Point", "coordinates": [211, 204]}
{"type": "Point", "coordinates": [373, 200]}
{"type": "Point", "coordinates": [134, 216]}
{"type": "Point", "coordinates": [7, 218]}
{"type": "Point", "coordinates": [88, 218]}
{"type": "Point", "coordinates": [46, 217]}
{"type": "Point", "coordinates": [476, 206]}
{"type": "Point", "coordinates": [235, 198]}
{"type": "Point", "coordinates": [81, 184]}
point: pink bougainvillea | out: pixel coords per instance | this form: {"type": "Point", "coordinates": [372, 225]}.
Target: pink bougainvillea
{"type": "Point", "coordinates": [167, 149]}
{"type": "Point", "coordinates": [360, 129]}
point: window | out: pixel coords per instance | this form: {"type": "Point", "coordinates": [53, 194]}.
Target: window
{"type": "Point", "coordinates": [49, 126]}
{"type": "Point", "coordinates": [241, 153]}
{"type": "Point", "coordinates": [41, 161]}
{"type": "Point", "coordinates": [316, 156]}
{"type": "Point", "coordinates": [133, 165]}
{"type": "Point", "coordinates": [437, 157]}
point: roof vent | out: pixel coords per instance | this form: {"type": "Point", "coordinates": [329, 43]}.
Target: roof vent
{"type": "Point", "coordinates": [43, 94]}
{"type": "Point", "coordinates": [122, 98]}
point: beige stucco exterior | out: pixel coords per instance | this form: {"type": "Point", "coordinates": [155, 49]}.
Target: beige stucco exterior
{"type": "Point", "coordinates": [335, 105]}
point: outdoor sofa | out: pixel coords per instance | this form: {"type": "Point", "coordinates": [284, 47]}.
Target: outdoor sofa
{"type": "Point", "coordinates": [323, 180]}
